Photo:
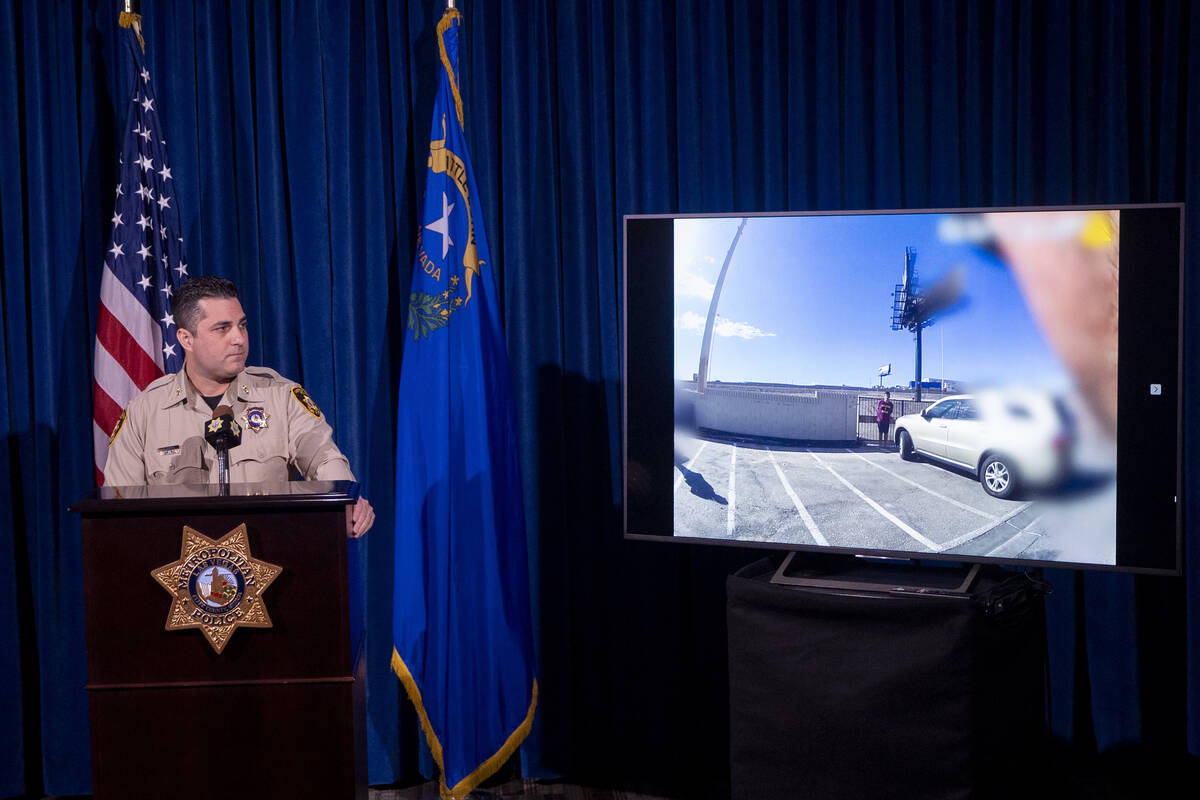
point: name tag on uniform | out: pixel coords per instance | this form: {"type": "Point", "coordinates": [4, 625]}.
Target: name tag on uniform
{"type": "Point", "coordinates": [169, 450]}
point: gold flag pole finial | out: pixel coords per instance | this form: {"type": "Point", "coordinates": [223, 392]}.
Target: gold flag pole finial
{"type": "Point", "coordinates": [131, 19]}
{"type": "Point", "coordinates": [449, 4]}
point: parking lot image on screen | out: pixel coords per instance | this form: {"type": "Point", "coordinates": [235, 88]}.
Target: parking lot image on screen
{"type": "Point", "coordinates": [800, 414]}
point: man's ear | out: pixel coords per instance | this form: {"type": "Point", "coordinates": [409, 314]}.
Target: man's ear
{"type": "Point", "coordinates": [185, 339]}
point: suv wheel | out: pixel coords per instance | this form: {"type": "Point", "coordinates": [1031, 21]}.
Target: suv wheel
{"type": "Point", "coordinates": [907, 451]}
{"type": "Point", "coordinates": [997, 477]}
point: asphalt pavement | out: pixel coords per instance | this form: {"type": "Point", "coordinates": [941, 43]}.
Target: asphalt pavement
{"type": "Point", "coordinates": [863, 497]}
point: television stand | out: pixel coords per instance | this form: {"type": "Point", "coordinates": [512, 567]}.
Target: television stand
{"type": "Point", "coordinates": [858, 574]}
{"type": "Point", "coordinates": [844, 695]}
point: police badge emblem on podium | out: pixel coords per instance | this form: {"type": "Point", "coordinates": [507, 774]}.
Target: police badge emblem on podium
{"type": "Point", "coordinates": [216, 585]}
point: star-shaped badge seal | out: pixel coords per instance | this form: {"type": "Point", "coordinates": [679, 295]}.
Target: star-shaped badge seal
{"type": "Point", "coordinates": [216, 585]}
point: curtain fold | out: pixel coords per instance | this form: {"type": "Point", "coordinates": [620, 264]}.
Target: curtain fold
{"type": "Point", "coordinates": [296, 134]}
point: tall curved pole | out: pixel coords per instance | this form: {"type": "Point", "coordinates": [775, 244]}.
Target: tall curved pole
{"type": "Point", "coordinates": [706, 346]}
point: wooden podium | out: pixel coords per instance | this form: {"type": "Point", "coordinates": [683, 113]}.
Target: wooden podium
{"type": "Point", "coordinates": [277, 712]}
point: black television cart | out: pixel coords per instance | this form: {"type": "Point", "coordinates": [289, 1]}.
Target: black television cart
{"type": "Point", "coordinates": [858, 692]}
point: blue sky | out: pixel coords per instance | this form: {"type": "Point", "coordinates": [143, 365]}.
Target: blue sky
{"type": "Point", "coordinates": [808, 299]}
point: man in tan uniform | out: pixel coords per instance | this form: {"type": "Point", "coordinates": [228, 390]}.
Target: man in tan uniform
{"type": "Point", "coordinates": [159, 438]}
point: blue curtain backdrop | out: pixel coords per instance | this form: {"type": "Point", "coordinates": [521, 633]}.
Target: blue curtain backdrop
{"type": "Point", "coordinates": [295, 131]}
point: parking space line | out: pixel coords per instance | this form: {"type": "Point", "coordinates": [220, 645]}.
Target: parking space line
{"type": "Point", "coordinates": [688, 467]}
{"type": "Point", "coordinates": [809, 522]}
{"type": "Point", "coordinates": [731, 496]}
{"type": "Point", "coordinates": [927, 490]}
{"type": "Point", "coordinates": [890, 517]}
{"type": "Point", "coordinates": [991, 526]}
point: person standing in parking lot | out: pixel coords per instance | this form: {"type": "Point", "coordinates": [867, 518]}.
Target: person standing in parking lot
{"type": "Point", "coordinates": [883, 416]}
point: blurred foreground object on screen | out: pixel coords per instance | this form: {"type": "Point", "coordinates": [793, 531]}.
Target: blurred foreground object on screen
{"type": "Point", "coordinates": [1066, 263]}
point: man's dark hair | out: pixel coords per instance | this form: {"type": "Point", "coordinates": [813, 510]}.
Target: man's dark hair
{"type": "Point", "coordinates": [186, 306]}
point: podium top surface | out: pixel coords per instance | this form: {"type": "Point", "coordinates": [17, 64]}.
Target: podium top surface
{"type": "Point", "coordinates": [208, 497]}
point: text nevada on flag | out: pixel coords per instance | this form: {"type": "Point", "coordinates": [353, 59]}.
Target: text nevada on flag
{"type": "Point", "coordinates": [461, 630]}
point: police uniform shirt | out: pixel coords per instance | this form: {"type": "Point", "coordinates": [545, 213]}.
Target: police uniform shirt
{"type": "Point", "coordinates": [159, 438]}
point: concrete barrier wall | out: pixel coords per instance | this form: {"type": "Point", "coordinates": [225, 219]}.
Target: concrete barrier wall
{"type": "Point", "coordinates": [815, 415]}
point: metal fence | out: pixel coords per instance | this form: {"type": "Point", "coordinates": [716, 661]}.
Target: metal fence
{"type": "Point", "coordinates": [868, 430]}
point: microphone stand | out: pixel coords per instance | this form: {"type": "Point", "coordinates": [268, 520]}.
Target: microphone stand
{"type": "Point", "coordinates": [222, 433]}
{"type": "Point", "coordinates": [223, 471]}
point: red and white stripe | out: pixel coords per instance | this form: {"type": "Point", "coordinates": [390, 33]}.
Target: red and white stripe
{"type": "Point", "coordinates": [128, 357]}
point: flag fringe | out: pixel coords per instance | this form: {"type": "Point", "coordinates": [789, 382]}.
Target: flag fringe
{"type": "Point", "coordinates": [444, 25]}
{"type": "Point", "coordinates": [484, 770]}
{"type": "Point", "coordinates": [130, 20]}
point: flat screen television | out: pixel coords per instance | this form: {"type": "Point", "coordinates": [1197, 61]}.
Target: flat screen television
{"type": "Point", "coordinates": [968, 385]}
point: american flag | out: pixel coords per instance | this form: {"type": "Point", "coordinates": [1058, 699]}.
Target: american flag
{"type": "Point", "coordinates": [144, 265]}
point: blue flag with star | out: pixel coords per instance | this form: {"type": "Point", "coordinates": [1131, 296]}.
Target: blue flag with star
{"type": "Point", "coordinates": [462, 631]}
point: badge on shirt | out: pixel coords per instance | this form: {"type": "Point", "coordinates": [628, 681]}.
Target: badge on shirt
{"type": "Point", "coordinates": [303, 399]}
{"type": "Point", "coordinates": [117, 428]}
{"type": "Point", "coordinates": [255, 418]}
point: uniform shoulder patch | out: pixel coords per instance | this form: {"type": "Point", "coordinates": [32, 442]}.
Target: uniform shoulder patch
{"type": "Point", "coordinates": [117, 428]}
{"type": "Point", "coordinates": [304, 400]}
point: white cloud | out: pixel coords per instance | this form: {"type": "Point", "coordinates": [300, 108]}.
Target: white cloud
{"type": "Point", "coordinates": [691, 321]}
{"type": "Point", "coordinates": [742, 330]}
{"type": "Point", "coordinates": [690, 284]}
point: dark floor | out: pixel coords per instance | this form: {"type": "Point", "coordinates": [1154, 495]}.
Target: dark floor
{"type": "Point", "coordinates": [1132, 773]}
{"type": "Point", "coordinates": [522, 789]}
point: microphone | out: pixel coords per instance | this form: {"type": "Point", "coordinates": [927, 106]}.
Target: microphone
{"type": "Point", "coordinates": [223, 433]}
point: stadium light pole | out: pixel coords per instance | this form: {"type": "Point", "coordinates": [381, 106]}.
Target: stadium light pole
{"type": "Point", "coordinates": [913, 310]}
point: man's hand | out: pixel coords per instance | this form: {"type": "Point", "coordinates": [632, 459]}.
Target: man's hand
{"type": "Point", "coordinates": [359, 518]}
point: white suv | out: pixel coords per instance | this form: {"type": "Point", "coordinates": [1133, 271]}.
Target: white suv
{"type": "Point", "coordinates": [1009, 439]}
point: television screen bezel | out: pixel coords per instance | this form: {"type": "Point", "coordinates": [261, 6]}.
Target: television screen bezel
{"type": "Point", "coordinates": [907, 555]}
